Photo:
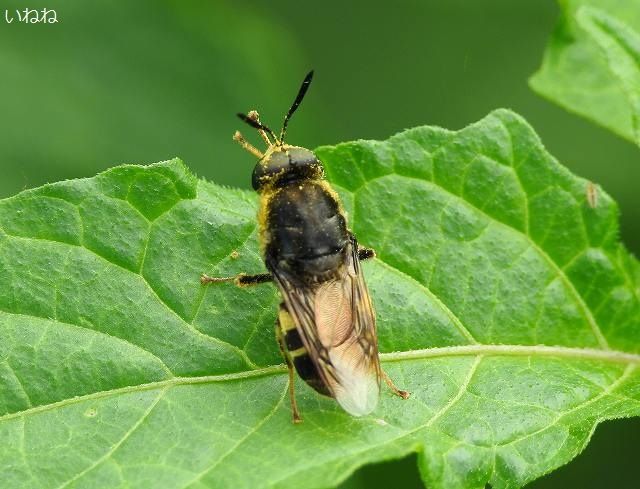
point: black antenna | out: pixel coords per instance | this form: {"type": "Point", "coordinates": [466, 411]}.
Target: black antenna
{"type": "Point", "coordinates": [255, 124]}
{"type": "Point", "coordinates": [301, 93]}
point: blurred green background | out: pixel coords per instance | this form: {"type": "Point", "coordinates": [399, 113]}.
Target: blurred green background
{"type": "Point", "coordinates": [137, 82]}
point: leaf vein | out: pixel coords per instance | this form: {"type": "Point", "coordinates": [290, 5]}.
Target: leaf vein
{"type": "Point", "coordinates": [20, 384]}
{"type": "Point", "coordinates": [608, 356]}
{"type": "Point", "coordinates": [95, 331]}
{"type": "Point", "coordinates": [186, 324]}
{"type": "Point", "coordinates": [450, 314]}
{"type": "Point", "coordinates": [586, 312]}
{"type": "Point", "coordinates": [241, 440]}
{"type": "Point", "coordinates": [461, 391]}
{"type": "Point", "coordinates": [117, 445]}
{"type": "Point", "coordinates": [607, 391]}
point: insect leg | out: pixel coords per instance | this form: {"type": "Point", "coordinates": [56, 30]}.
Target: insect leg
{"type": "Point", "coordinates": [239, 138]}
{"type": "Point", "coordinates": [366, 253]}
{"type": "Point", "coordinates": [392, 386]}
{"type": "Point", "coordinates": [241, 280]}
{"type": "Point", "coordinates": [292, 394]}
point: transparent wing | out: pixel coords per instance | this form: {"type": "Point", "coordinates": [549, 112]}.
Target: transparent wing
{"type": "Point", "coordinates": [336, 323]}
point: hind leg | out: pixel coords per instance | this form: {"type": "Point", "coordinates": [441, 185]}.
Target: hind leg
{"type": "Point", "coordinates": [292, 394]}
{"type": "Point", "coordinates": [392, 386]}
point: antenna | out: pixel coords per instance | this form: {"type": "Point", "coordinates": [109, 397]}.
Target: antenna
{"type": "Point", "coordinates": [255, 124]}
{"type": "Point", "coordinates": [301, 93]}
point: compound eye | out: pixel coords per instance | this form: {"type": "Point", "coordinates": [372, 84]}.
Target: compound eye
{"type": "Point", "coordinates": [275, 165]}
{"type": "Point", "coordinates": [277, 162]}
{"type": "Point", "coordinates": [302, 156]}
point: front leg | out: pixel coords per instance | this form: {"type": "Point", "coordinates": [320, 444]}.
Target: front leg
{"type": "Point", "coordinates": [241, 280]}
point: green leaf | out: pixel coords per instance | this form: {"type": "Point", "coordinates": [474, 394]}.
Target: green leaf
{"type": "Point", "coordinates": [592, 64]}
{"type": "Point", "coordinates": [506, 306]}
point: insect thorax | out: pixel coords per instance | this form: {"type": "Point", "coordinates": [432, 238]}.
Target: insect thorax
{"type": "Point", "coordinates": [304, 230]}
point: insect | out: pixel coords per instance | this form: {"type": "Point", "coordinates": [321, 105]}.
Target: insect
{"type": "Point", "coordinates": [592, 195]}
{"type": "Point", "coordinates": [326, 325]}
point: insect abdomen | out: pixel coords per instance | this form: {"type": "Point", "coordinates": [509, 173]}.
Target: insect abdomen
{"type": "Point", "coordinates": [298, 354]}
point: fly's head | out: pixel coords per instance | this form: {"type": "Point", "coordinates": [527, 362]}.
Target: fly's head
{"type": "Point", "coordinates": [281, 163]}
{"type": "Point", "coordinates": [285, 164]}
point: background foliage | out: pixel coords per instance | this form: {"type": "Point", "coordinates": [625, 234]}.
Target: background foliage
{"type": "Point", "coordinates": [146, 81]}
{"type": "Point", "coordinates": [591, 63]}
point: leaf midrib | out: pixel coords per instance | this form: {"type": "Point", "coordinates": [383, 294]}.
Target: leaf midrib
{"type": "Point", "coordinates": [484, 350]}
